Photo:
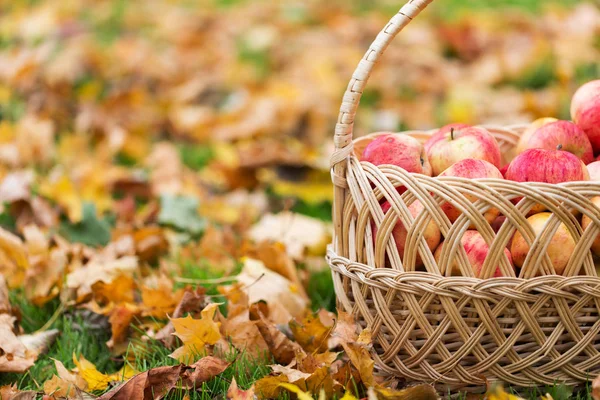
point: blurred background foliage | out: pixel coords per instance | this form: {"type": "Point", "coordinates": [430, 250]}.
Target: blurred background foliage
{"type": "Point", "coordinates": [251, 89]}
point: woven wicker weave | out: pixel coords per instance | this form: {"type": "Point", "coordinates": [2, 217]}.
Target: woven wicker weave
{"type": "Point", "coordinates": [536, 328]}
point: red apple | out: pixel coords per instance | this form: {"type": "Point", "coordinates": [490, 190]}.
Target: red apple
{"type": "Point", "coordinates": [431, 232]}
{"type": "Point", "coordinates": [594, 170]}
{"type": "Point", "coordinates": [398, 149]}
{"type": "Point", "coordinates": [559, 250]}
{"type": "Point", "coordinates": [562, 135]}
{"type": "Point", "coordinates": [585, 221]}
{"type": "Point", "coordinates": [455, 144]}
{"type": "Point", "coordinates": [472, 169]}
{"type": "Point", "coordinates": [551, 166]}
{"type": "Point", "coordinates": [585, 111]}
{"type": "Point", "coordinates": [441, 133]}
{"type": "Point", "coordinates": [477, 250]}
{"type": "Point", "coordinates": [531, 128]}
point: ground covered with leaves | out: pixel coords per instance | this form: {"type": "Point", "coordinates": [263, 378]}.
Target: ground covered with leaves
{"type": "Point", "coordinates": [164, 184]}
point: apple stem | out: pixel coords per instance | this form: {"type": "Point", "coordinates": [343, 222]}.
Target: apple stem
{"type": "Point", "coordinates": [559, 147]}
{"type": "Point", "coordinates": [451, 133]}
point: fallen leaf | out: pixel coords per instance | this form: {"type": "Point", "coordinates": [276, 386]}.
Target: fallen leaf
{"type": "Point", "coordinates": [235, 393]}
{"type": "Point", "coordinates": [192, 302]}
{"type": "Point", "coordinates": [69, 377]}
{"type": "Point", "coordinates": [292, 375]}
{"type": "Point", "coordinates": [360, 356]}
{"type": "Point", "coordinates": [20, 352]}
{"type": "Point", "coordinates": [100, 270]}
{"type": "Point", "coordinates": [196, 334]}
{"type": "Point", "coordinates": [5, 307]}
{"type": "Point", "coordinates": [160, 300]}
{"type": "Point", "coordinates": [313, 361]}
{"type": "Point", "coordinates": [282, 296]}
{"type": "Point", "coordinates": [348, 396]}
{"type": "Point", "coordinates": [154, 384]}
{"type": "Point", "coordinates": [274, 256]}
{"type": "Point", "coordinates": [120, 320]}
{"type": "Point", "coordinates": [16, 186]}
{"type": "Point", "coordinates": [59, 388]}
{"type": "Point", "coordinates": [202, 371]}
{"type": "Point", "coordinates": [25, 395]}
{"type": "Point", "coordinates": [120, 289]}
{"type": "Point", "coordinates": [282, 348]}
{"type": "Point", "coordinates": [295, 389]}
{"type": "Point", "coordinates": [181, 213]}
{"type": "Point", "coordinates": [596, 388]}
{"type": "Point", "coordinates": [96, 380]}
{"type": "Point", "coordinates": [14, 249]}
{"type": "Point", "coordinates": [269, 386]}
{"type": "Point", "coordinates": [89, 229]}
{"type": "Point", "coordinates": [297, 232]}
{"type": "Point", "coordinates": [237, 327]}
{"type": "Point", "coordinates": [310, 333]}
{"type": "Point", "coordinates": [418, 392]}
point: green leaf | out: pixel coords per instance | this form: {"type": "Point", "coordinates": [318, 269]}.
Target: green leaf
{"type": "Point", "coordinates": [181, 212]}
{"type": "Point", "coordinates": [90, 231]}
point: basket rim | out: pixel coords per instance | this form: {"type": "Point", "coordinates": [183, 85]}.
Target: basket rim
{"type": "Point", "coordinates": [395, 279]}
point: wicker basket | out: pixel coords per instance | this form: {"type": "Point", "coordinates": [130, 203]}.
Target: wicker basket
{"type": "Point", "coordinates": [456, 331]}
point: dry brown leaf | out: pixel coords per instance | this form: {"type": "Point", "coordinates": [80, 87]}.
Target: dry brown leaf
{"type": "Point", "coordinates": [359, 354]}
{"type": "Point", "coordinates": [5, 307]}
{"type": "Point", "coordinates": [312, 362]}
{"type": "Point", "coordinates": [202, 371]}
{"type": "Point", "coordinates": [235, 393]}
{"type": "Point", "coordinates": [100, 270]}
{"type": "Point", "coordinates": [152, 384]}
{"type": "Point", "coordinates": [69, 377]}
{"type": "Point", "coordinates": [282, 348]}
{"type": "Point", "coordinates": [59, 388]}
{"type": "Point", "coordinates": [8, 391]}
{"type": "Point", "coordinates": [344, 331]}
{"type": "Point", "coordinates": [596, 388]}
{"type": "Point", "coordinates": [274, 256]}
{"type": "Point", "coordinates": [120, 320]}
{"type": "Point", "coordinates": [25, 395]}
{"type": "Point", "coordinates": [292, 374]}
{"type": "Point", "coordinates": [283, 297]}
{"type": "Point", "coordinates": [20, 352]}
{"type": "Point", "coordinates": [237, 327]}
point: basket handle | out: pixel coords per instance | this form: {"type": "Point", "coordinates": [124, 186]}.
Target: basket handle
{"type": "Point", "coordinates": [345, 123]}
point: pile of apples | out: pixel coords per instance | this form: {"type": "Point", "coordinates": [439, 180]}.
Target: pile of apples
{"type": "Point", "coordinates": [549, 150]}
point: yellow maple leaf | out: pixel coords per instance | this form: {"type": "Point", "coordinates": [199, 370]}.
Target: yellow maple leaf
{"type": "Point", "coordinates": [295, 389]}
{"type": "Point", "coordinates": [348, 396]}
{"type": "Point", "coordinates": [95, 379]}
{"type": "Point", "coordinates": [63, 191]}
{"type": "Point", "coordinates": [196, 334]}
{"type": "Point", "coordinates": [497, 393]}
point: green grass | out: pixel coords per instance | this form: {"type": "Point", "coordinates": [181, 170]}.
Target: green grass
{"type": "Point", "coordinates": [77, 336]}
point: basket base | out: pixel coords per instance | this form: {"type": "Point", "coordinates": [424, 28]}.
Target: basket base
{"type": "Point", "coordinates": [461, 338]}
